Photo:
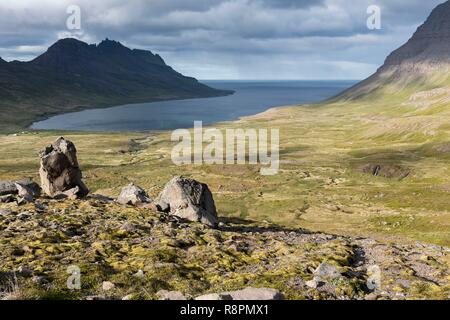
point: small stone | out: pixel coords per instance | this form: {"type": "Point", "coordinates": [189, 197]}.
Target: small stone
{"type": "Point", "coordinates": [128, 297]}
{"type": "Point", "coordinates": [40, 280]}
{"type": "Point", "coordinates": [139, 274]}
{"type": "Point", "coordinates": [326, 271]}
{"type": "Point", "coordinates": [170, 295]}
{"type": "Point", "coordinates": [245, 294]}
{"type": "Point", "coordinates": [314, 283]}
{"type": "Point", "coordinates": [40, 206]}
{"type": "Point", "coordinates": [27, 191]}
{"type": "Point", "coordinates": [214, 297]}
{"type": "Point", "coordinates": [133, 195]}
{"type": "Point", "coordinates": [94, 298]}
{"type": "Point", "coordinates": [371, 296]}
{"type": "Point", "coordinates": [25, 272]}
{"type": "Point", "coordinates": [256, 294]}
{"type": "Point", "coordinates": [71, 194]}
{"type": "Point", "coordinates": [24, 200]}
{"type": "Point", "coordinates": [24, 215]}
{"type": "Point", "coordinates": [107, 285]}
{"type": "Point", "coordinates": [5, 212]}
{"type": "Point", "coordinates": [7, 198]}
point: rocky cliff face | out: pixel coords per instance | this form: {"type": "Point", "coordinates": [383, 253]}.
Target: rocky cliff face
{"type": "Point", "coordinates": [426, 53]}
{"type": "Point", "coordinates": [430, 44]}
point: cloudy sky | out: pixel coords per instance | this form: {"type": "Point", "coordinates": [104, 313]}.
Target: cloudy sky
{"type": "Point", "coordinates": [225, 39]}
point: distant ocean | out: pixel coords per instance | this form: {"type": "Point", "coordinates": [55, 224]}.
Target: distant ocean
{"type": "Point", "coordinates": [251, 97]}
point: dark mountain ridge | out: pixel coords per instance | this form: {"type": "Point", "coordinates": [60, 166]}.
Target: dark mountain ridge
{"type": "Point", "coordinates": [73, 75]}
{"type": "Point", "coordinates": [423, 61]}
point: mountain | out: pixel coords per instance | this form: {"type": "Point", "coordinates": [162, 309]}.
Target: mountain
{"type": "Point", "coordinates": [422, 63]}
{"type": "Point", "coordinates": [74, 75]}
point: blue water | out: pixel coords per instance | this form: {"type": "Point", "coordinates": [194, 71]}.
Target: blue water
{"type": "Point", "coordinates": [251, 97]}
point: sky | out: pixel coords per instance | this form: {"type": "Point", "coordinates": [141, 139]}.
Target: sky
{"type": "Point", "coordinates": [225, 39]}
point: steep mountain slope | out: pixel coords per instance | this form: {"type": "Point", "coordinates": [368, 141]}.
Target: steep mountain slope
{"type": "Point", "coordinates": [422, 63]}
{"type": "Point", "coordinates": [73, 75]}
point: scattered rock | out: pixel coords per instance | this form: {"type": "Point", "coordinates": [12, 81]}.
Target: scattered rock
{"type": "Point", "coordinates": [326, 271]}
{"type": "Point", "coordinates": [7, 199]}
{"type": "Point", "coordinates": [314, 283]}
{"type": "Point", "coordinates": [129, 297]}
{"type": "Point", "coordinates": [215, 296]}
{"type": "Point", "coordinates": [139, 274]}
{"type": "Point", "coordinates": [24, 272]}
{"type": "Point", "coordinates": [245, 294]}
{"type": "Point", "coordinates": [5, 212]}
{"type": "Point", "coordinates": [256, 294]}
{"type": "Point", "coordinates": [134, 195]}
{"type": "Point", "coordinates": [107, 285]}
{"type": "Point", "coordinates": [40, 280]}
{"type": "Point", "coordinates": [190, 200]}
{"type": "Point", "coordinates": [371, 296]}
{"type": "Point", "coordinates": [28, 191]}
{"type": "Point", "coordinates": [60, 171]}
{"type": "Point", "coordinates": [10, 187]}
{"type": "Point", "coordinates": [170, 295]}
{"type": "Point", "coordinates": [40, 206]}
{"type": "Point", "coordinates": [25, 193]}
{"type": "Point", "coordinates": [94, 298]}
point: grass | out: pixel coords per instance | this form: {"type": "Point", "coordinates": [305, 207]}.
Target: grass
{"type": "Point", "coordinates": [322, 148]}
{"type": "Point", "coordinates": [320, 187]}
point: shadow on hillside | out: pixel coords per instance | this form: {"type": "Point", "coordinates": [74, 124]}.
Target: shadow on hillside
{"type": "Point", "coordinates": [239, 225]}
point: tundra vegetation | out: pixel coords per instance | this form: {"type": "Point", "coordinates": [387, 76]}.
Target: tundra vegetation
{"type": "Point", "coordinates": [359, 208]}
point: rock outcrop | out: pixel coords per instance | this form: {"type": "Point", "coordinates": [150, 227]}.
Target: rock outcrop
{"type": "Point", "coordinates": [190, 200]}
{"type": "Point", "coordinates": [424, 55]}
{"type": "Point", "coordinates": [60, 172]}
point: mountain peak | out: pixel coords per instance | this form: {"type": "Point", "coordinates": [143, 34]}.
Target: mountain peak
{"type": "Point", "coordinates": [68, 43]}
{"type": "Point", "coordinates": [424, 61]}
{"type": "Point", "coordinates": [111, 45]}
{"type": "Point", "coordinates": [429, 45]}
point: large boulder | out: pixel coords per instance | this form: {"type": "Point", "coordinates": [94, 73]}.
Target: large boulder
{"type": "Point", "coordinates": [190, 200]}
{"type": "Point", "coordinates": [60, 172]}
{"type": "Point", "coordinates": [134, 195]}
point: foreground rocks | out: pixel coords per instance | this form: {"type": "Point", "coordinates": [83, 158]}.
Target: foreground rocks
{"type": "Point", "coordinates": [11, 187]}
{"type": "Point", "coordinates": [142, 254]}
{"type": "Point", "coordinates": [133, 195]}
{"type": "Point", "coordinates": [60, 173]}
{"type": "Point", "coordinates": [190, 200]}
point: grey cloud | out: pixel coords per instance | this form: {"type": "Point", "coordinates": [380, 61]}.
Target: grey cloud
{"type": "Point", "coordinates": [236, 37]}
